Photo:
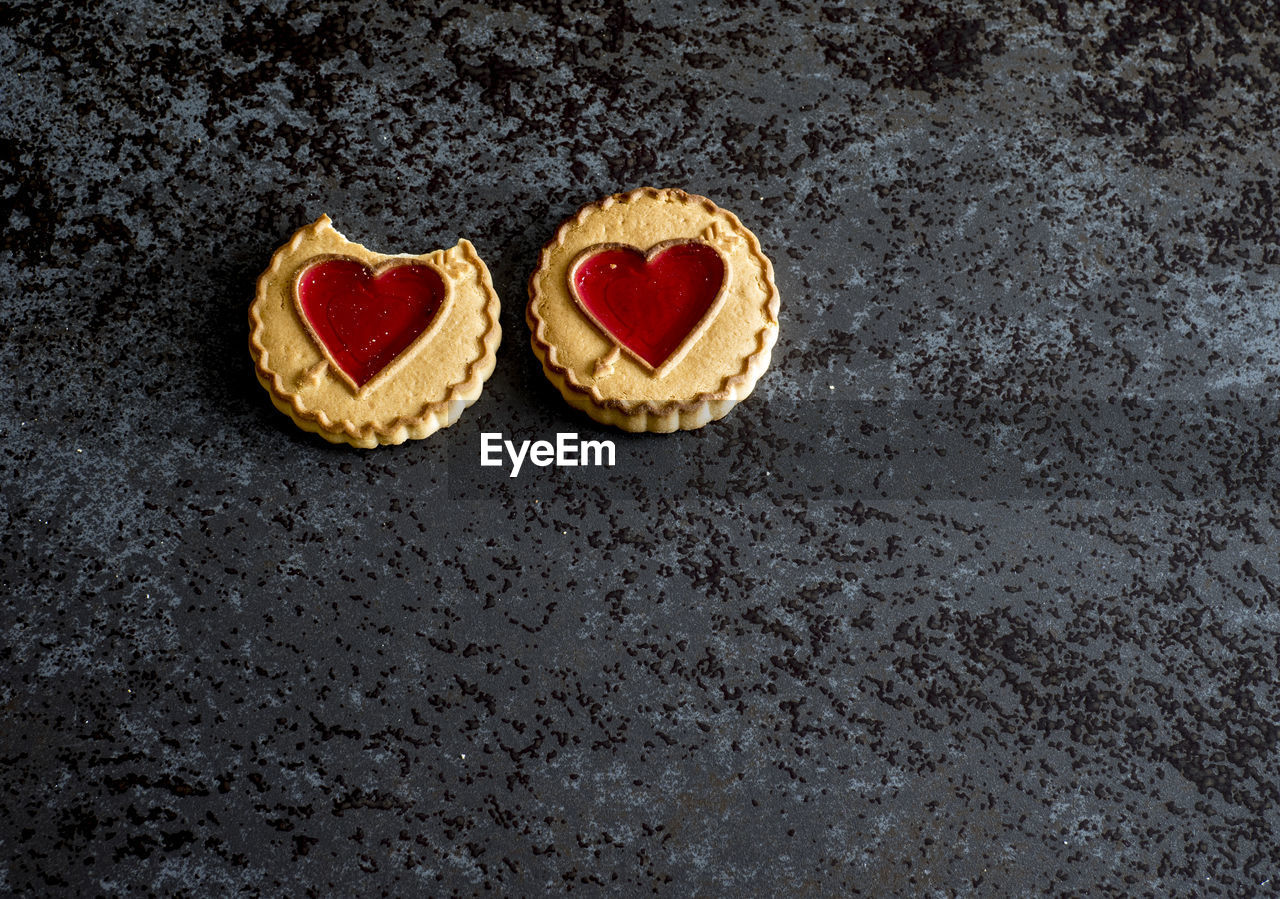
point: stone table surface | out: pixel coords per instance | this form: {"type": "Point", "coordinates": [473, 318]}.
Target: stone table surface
{"type": "Point", "coordinates": [978, 594]}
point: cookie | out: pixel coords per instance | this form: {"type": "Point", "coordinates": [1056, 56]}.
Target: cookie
{"type": "Point", "coordinates": [368, 349]}
{"type": "Point", "coordinates": [653, 310]}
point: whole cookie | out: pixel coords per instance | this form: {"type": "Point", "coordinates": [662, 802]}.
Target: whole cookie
{"type": "Point", "coordinates": [653, 310]}
{"type": "Point", "coordinates": [368, 349]}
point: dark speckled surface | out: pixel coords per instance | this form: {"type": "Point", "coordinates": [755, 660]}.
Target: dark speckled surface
{"type": "Point", "coordinates": [979, 594]}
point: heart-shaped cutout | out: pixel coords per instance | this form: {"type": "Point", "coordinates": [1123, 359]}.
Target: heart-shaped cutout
{"type": "Point", "coordinates": [364, 319]}
{"type": "Point", "coordinates": [654, 304]}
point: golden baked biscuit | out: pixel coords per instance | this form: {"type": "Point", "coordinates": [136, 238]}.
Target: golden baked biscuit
{"type": "Point", "coordinates": [368, 349]}
{"type": "Point", "coordinates": [653, 310]}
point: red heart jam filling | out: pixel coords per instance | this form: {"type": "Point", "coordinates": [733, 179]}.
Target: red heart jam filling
{"type": "Point", "coordinates": [650, 303]}
{"type": "Point", "coordinates": [365, 320]}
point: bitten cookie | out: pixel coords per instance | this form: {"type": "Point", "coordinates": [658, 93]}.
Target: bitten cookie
{"type": "Point", "coordinates": [368, 349]}
{"type": "Point", "coordinates": [653, 310]}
